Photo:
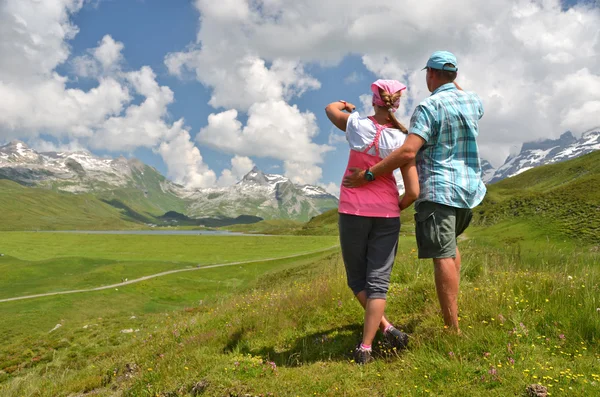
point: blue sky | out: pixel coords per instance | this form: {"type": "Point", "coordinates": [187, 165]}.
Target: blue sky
{"type": "Point", "coordinates": [289, 65]}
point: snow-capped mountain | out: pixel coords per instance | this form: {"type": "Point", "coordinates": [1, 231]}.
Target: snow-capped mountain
{"type": "Point", "coordinates": [534, 154]}
{"type": "Point", "coordinates": [268, 196]}
{"type": "Point", "coordinates": [67, 171]}
{"type": "Point", "coordinates": [140, 187]}
{"type": "Point", "coordinates": [487, 171]}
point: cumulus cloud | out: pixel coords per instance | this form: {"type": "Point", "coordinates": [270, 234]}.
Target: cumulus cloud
{"type": "Point", "coordinates": [242, 80]}
{"type": "Point", "coordinates": [34, 97]}
{"type": "Point", "coordinates": [184, 160]}
{"type": "Point", "coordinates": [42, 145]}
{"type": "Point", "coordinates": [274, 129]}
{"type": "Point", "coordinates": [534, 64]}
{"type": "Point", "coordinates": [332, 188]}
{"type": "Point", "coordinates": [513, 54]}
{"type": "Point", "coordinates": [104, 59]}
{"type": "Point", "coordinates": [33, 37]}
{"type": "Point", "coordinates": [302, 173]}
{"type": "Point", "coordinates": [240, 166]}
{"type": "Point", "coordinates": [336, 138]}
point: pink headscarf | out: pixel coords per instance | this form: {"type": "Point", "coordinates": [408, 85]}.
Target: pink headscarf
{"type": "Point", "coordinates": [389, 86]}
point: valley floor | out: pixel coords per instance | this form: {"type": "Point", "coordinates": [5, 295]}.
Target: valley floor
{"type": "Point", "coordinates": [530, 314]}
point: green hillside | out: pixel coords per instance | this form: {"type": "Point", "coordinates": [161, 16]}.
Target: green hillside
{"type": "Point", "coordinates": [326, 224]}
{"type": "Point", "coordinates": [555, 201]}
{"type": "Point", "coordinates": [559, 200]}
{"type": "Point", "coordinates": [145, 193]}
{"type": "Point", "coordinates": [31, 208]}
{"type": "Point", "coordinates": [26, 208]}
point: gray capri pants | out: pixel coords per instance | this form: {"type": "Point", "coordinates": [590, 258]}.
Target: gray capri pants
{"type": "Point", "coordinates": [369, 246]}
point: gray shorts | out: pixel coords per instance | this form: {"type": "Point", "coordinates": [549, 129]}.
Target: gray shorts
{"type": "Point", "coordinates": [437, 227]}
{"type": "Point", "coordinates": [369, 246]}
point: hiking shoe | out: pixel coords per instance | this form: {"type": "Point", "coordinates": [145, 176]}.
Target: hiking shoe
{"type": "Point", "coordinates": [397, 339]}
{"type": "Point", "coordinates": [362, 356]}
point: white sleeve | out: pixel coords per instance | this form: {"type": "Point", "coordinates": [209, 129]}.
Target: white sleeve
{"type": "Point", "coordinates": [352, 126]}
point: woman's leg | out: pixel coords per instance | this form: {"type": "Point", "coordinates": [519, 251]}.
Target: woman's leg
{"type": "Point", "coordinates": [381, 252]}
{"type": "Point", "coordinates": [362, 298]}
{"type": "Point", "coordinates": [354, 236]}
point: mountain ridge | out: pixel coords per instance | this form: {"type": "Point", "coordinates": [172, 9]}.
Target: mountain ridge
{"type": "Point", "coordinates": [141, 187]}
{"type": "Point", "coordinates": [546, 151]}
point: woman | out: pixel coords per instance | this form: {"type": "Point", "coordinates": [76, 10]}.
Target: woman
{"type": "Point", "coordinates": [369, 220]}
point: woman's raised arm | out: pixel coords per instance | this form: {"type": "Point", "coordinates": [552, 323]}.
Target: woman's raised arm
{"type": "Point", "coordinates": [335, 113]}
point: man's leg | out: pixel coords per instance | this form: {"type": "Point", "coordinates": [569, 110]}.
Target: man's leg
{"type": "Point", "coordinates": [436, 238]}
{"type": "Point", "coordinates": [447, 279]}
{"type": "Point", "coordinates": [457, 261]}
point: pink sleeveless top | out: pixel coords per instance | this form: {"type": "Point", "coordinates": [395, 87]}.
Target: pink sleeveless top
{"type": "Point", "coordinates": [378, 198]}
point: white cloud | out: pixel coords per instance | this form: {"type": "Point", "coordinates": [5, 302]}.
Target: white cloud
{"type": "Point", "coordinates": [336, 138]}
{"type": "Point", "coordinates": [274, 129]}
{"type": "Point", "coordinates": [34, 98]}
{"type": "Point", "coordinates": [241, 80]}
{"type": "Point", "coordinates": [104, 59]}
{"type": "Point", "coordinates": [535, 65]}
{"type": "Point", "coordinates": [332, 188]}
{"type": "Point", "coordinates": [33, 37]}
{"type": "Point", "coordinates": [302, 173]}
{"type": "Point", "coordinates": [365, 106]}
{"type": "Point", "coordinates": [41, 145]}
{"type": "Point", "coordinates": [141, 125]}
{"type": "Point", "coordinates": [240, 166]}
{"type": "Point", "coordinates": [108, 53]}
{"type": "Point", "coordinates": [27, 108]}
{"type": "Point", "coordinates": [184, 160]}
{"type": "Point", "coordinates": [511, 53]}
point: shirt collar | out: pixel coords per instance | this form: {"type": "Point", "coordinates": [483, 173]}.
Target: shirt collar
{"type": "Point", "coordinates": [444, 87]}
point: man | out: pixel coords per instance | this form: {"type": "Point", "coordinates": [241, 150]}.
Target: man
{"type": "Point", "coordinates": [442, 140]}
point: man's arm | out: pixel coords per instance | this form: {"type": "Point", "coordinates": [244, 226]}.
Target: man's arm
{"type": "Point", "coordinates": [400, 157]}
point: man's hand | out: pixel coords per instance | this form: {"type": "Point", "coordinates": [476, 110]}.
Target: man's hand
{"type": "Point", "coordinates": [356, 179]}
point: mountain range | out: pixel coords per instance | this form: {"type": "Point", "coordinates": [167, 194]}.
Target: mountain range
{"type": "Point", "coordinates": [131, 185]}
{"type": "Point", "coordinates": [534, 154]}
{"type": "Point", "coordinates": [145, 194]}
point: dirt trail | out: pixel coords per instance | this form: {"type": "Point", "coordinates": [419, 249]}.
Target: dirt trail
{"type": "Point", "coordinates": [137, 280]}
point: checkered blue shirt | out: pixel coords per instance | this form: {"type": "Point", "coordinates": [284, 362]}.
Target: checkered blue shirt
{"type": "Point", "coordinates": [448, 163]}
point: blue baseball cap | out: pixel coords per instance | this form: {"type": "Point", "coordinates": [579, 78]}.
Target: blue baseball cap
{"type": "Point", "coordinates": [438, 59]}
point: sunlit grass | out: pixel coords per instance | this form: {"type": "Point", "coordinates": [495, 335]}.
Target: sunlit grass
{"type": "Point", "coordinates": [525, 319]}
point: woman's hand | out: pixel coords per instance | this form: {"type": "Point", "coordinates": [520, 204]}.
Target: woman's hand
{"type": "Point", "coordinates": [348, 107]}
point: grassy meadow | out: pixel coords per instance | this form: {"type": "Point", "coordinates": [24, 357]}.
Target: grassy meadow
{"type": "Point", "coordinates": [287, 328]}
{"type": "Point", "coordinates": [36, 263]}
{"type": "Point", "coordinates": [529, 307]}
